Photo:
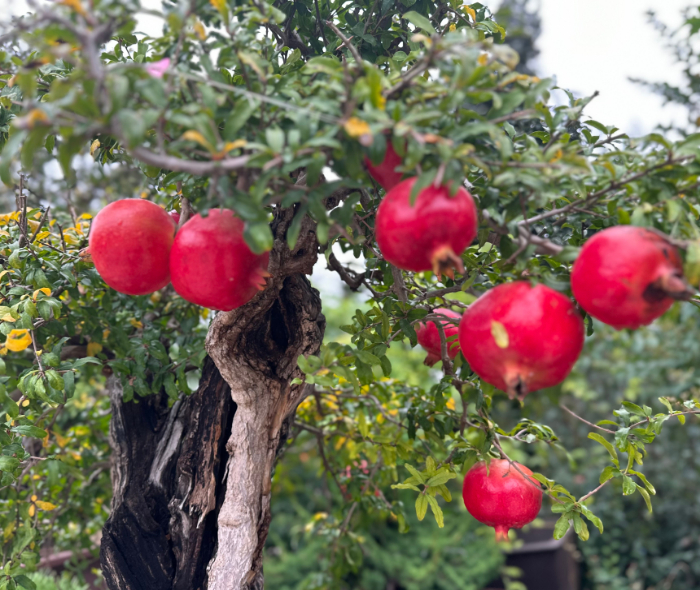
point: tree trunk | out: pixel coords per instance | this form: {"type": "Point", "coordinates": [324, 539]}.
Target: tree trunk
{"type": "Point", "coordinates": [192, 483]}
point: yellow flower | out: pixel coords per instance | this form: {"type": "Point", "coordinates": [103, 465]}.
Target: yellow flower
{"type": "Point", "coordinates": [355, 127]}
{"type": "Point", "coordinates": [451, 404]}
{"type": "Point", "coordinates": [18, 340]}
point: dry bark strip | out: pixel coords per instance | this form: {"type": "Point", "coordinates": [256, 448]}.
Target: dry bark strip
{"type": "Point", "coordinates": [191, 505]}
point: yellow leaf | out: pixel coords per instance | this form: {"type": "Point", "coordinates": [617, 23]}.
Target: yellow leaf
{"type": "Point", "coordinates": [8, 318]}
{"type": "Point", "coordinates": [451, 404]}
{"type": "Point", "coordinates": [355, 127]}
{"type": "Point", "coordinates": [40, 235]}
{"type": "Point", "coordinates": [34, 497]}
{"type": "Point", "coordinates": [48, 506]}
{"type": "Point", "coordinates": [483, 59]}
{"type": "Point", "coordinates": [34, 117]}
{"type": "Point", "coordinates": [4, 233]}
{"type": "Point", "coordinates": [470, 11]}
{"type": "Point", "coordinates": [4, 272]}
{"type": "Point", "coordinates": [75, 5]}
{"type": "Point", "coordinates": [25, 403]}
{"type": "Point", "coordinates": [199, 30]}
{"type": "Point", "coordinates": [105, 334]}
{"type": "Point", "coordinates": [76, 456]}
{"type": "Point", "coordinates": [61, 441]}
{"type": "Point", "coordinates": [232, 145]}
{"type": "Point", "coordinates": [137, 324]}
{"type": "Point", "coordinates": [197, 137]}
{"type": "Point", "coordinates": [8, 531]}
{"type": "Point", "coordinates": [45, 290]}
{"type": "Point", "coordinates": [93, 348]}
{"type": "Point", "coordinates": [500, 334]}
{"type": "Point", "coordinates": [220, 5]}
{"type": "Point", "coordinates": [94, 146]}
{"type": "Point", "coordinates": [32, 510]}
{"type": "Point", "coordinates": [453, 28]}
{"type": "Point", "coordinates": [18, 340]}
{"type": "Point", "coordinates": [86, 216]}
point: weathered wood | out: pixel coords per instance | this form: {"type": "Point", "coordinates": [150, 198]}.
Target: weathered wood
{"type": "Point", "coordinates": [167, 467]}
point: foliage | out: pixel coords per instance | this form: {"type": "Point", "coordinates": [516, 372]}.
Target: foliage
{"type": "Point", "coordinates": [255, 106]}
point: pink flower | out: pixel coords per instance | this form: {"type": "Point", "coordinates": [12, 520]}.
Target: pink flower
{"type": "Point", "coordinates": [158, 68]}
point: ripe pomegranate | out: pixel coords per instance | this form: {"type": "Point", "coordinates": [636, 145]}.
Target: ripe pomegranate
{"type": "Point", "coordinates": [212, 266]}
{"type": "Point", "coordinates": [431, 234]}
{"type": "Point", "coordinates": [429, 336]}
{"type": "Point", "coordinates": [501, 497]}
{"type": "Point", "coordinates": [628, 276]}
{"type": "Point", "coordinates": [175, 215]}
{"type": "Point", "coordinates": [130, 243]}
{"type": "Point", "coordinates": [521, 338]}
{"type": "Point", "coordinates": [385, 172]}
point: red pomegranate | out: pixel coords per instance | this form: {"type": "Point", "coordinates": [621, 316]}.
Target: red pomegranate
{"type": "Point", "coordinates": [130, 243]}
{"type": "Point", "coordinates": [429, 336]}
{"type": "Point", "coordinates": [521, 338]}
{"type": "Point", "coordinates": [431, 234]}
{"type": "Point", "coordinates": [385, 172]}
{"type": "Point", "coordinates": [628, 276]}
{"type": "Point", "coordinates": [212, 266]}
{"type": "Point", "coordinates": [501, 497]}
{"type": "Point", "coordinates": [175, 215]}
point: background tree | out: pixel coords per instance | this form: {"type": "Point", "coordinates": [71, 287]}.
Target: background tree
{"type": "Point", "coordinates": [258, 107]}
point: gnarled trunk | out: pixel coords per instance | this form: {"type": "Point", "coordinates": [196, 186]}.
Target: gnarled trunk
{"type": "Point", "coordinates": [192, 482]}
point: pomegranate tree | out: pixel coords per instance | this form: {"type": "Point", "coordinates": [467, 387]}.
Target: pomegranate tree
{"type": "Point", "coordinates": [430, 234]}
{"type": "Point", "coordinates": [628, 276]}
{"type": "Point", "coordinates": [212, 266]}
{"type": "Point", "coordinates": [502, 495]}
{"type": "Point", "coordinates": [521, 338]}
{"type": "Point", "coordinates": [429, 336]}
{"type": "Point", "coordinates": [385, 172]}
{"type": "Point", "coordinates": [130, 243]}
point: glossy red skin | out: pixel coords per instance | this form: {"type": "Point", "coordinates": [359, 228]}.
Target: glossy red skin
{"type": "Point", "coordinates": [429, 337]}
{"type": "Point", "coordinates": [385, 172]}
{"type": "Point", "coordinates": [545, 337]}
{"type": "Point", "coordinates": [175, 215]}
{"type": "Point", "coordinates": [212, 266]}
{"type": "Point", "coordinates": [130, 242]}
{"type": "Point", "coordinates": [613, 270]}
{"type": "Point", "coordinates": [501, 498]}
{"type": "Point", "coordinates": [410, 236]}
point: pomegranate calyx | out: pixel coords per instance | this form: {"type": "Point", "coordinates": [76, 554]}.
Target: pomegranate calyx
{"type": "Point", "coordinates": [672, 285]}
{"type": "Point", "coordinates": [517, 387]}
{"type": "Point", "coordinates": [445, 262]}
{"type": "Point", "coordinates": [431, 360]}
{"type": "Point", "coordinates": [501, 534]}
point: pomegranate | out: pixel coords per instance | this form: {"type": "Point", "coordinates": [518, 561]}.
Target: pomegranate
{"type": "Point", "coordinates": [431, 234]}
{"type": "Point", "coordinates": [429, 336]}
{"type": "Point", "coordinates": [212, 266]}
{"type": "Point", "coordinates": [130, 243]}
{"type": "Point", "coordinates": [628, 276]}
{"type": "Point", "coordinates": [521, 338]}
{"type": "Point", "coordinates": [385, 172]}
{"type": "Point", "coordinates": [501, 497]}
{"type": "Point", "coordinates": [175, 215]}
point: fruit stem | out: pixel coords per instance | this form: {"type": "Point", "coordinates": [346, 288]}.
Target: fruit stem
{"type": "Point", "coordinates": [501, 533]}
{"type": "Point", "coordinates": [445, 262]}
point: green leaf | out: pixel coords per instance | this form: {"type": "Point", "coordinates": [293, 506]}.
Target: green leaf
{"type": "Point", "coordinates": [611, 449]}
{"type": "Point", "coordinates": [592, 517]}
{"type": "Point", "coordinates": [8, 463]}
{"type": "Point", "coordinates": [608, 473]}
{"type": "Point", "coordinates": [419, 20]}
{"type": "Point", "coordinates": [239, 116]}
{"type": "Point", "coordinates": [421, 506]}
{"type": "Point", "coordinates": [440, 478]}
{"type": "Point", "coordinates": [25, 582]}
{"type": "Point", "coordinates": [259, 237]}
{"type": "Point", "coordinates": [32, 431]}
{"type": "Point", "coordinates": [628, 486]}
{"type": "Point", "coordinates": [362, 424]}
{"type": "Point", "coordinates": [405, 486]}
{"type": "Point", "coordinates": [646, 497]}
{"type": "Point", "coordinates": [415, 473]}
{"type": "Point", "coordinates": [437, 511]}
{"type": "Point", "coordinates": [580, 527]}
{"type": "Point", "coordinates": [645, 481]}
{"type": "Point", "coordinates": [562, 526]}
{"type": "Point", "coordinates": [8, 153]}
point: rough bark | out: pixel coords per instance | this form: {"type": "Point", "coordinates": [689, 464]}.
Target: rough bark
{"type": "Point", "coordinates": [167, 467]}
{"type": "Point", "coordinates": [256, 349]}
